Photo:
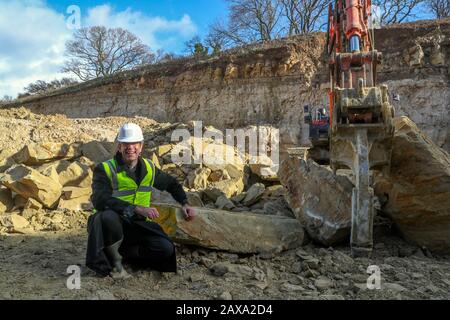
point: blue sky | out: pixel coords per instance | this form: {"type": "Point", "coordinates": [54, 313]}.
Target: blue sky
{"type": "Point", "coordinates": [201, 12]}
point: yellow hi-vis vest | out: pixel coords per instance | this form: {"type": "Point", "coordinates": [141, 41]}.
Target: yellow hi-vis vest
{"type": "Point", "coordinates": [126, 189]}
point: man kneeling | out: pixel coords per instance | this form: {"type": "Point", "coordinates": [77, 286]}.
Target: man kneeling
{"type": "Point", "coordinates": [122, 225]}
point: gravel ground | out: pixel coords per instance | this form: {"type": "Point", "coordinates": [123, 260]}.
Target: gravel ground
{"type": "Point", "coordinates": [35, 267]}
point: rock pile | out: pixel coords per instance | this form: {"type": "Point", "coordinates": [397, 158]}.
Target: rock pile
{"type": "Point", "coordinates": [212, 180]}
{"type": "Point", "coordinates": [53, 180]}
{"type": "Point", "coordinates": [46, 184]}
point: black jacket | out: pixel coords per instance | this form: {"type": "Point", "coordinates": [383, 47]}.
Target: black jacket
{"type": "Point", "coordinates": [102, 200]}
{"type": "Point", "coordinates": [102, 191]}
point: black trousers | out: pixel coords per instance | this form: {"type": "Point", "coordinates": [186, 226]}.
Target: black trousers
{"type": "Point", "coordinates": [144, 243]}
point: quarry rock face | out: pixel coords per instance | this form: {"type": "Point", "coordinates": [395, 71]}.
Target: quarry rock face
{"type": "Point", "coordinates": [320, 200]}
{"type": "Point", "coordinates": [260, 84]}
{"type": "Point", "coordinates": [416, 193]}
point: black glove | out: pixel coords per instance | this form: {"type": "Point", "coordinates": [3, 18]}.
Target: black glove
{"type": "Point", "coordinates": [129, 213]}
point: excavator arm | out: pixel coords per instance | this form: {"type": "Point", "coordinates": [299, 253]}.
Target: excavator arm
{"type": "Point", "coordinates": [361, 128]}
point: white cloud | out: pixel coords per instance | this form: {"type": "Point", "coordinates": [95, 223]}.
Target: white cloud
{"type": "Point", "coordinates": [32, 39]}
{"type": "Point", "coordinates": [145, 27]}
{"type": "Point", "coordinates": [33, 36]}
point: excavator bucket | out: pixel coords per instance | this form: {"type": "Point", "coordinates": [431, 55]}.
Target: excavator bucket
{"type": "Point", "coordinates": [361, 140]}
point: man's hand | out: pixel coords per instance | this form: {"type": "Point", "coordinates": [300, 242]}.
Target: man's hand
{"type": "Point", "coordinates": [189, 212]}
{"type": "Point", "coordinates": [151, 213]}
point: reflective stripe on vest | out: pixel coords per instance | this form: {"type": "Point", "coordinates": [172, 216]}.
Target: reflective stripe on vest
{"type": "Point", "coordinates": [126, 189]}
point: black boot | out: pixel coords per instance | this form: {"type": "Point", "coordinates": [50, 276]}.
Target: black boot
{"type": "Point", "coordinates": [112, 252]}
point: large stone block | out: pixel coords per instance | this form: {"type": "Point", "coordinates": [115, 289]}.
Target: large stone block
{"type": "Point", "coordinates": [241, 232]}
{"type": "Point", "coordinates": [95, 151]}
{"type": "Point", "coordinates": [320, 200]}
{"type": "Point", "coordinates": [254, 193]}
{"type": "Point", "coordinates": [76, 175]}
{"type": "Point", "coordinates": [228, 188]}
{"type": "Point", "coordinates": [75, 192]}
{"type": "Point", "coordinates": [198, 179]}
{"type": "Point", "coordinates": [82, 203]}
{"type": "Point", "coordinates": [37, 154]}
{"type": "Point", "coordinates": [219, 156]}
{"type": "Point", "coordinates": [416, 194]}
{"type": "Point", "coordinates": [29, 183]}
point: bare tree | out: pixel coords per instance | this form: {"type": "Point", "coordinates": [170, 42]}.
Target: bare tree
{"type": "Point", "coordinates": [264, 20]}
{"type": "Point", "coordinates": [36, 87]}
{"type": "Point", "coordinates": [6, 99]}
{"type": "Point", "coordinates": [41, 86]}
{"type": "Point", "coordinates": [304, 16]}
{"type": "Point", "coordinates": [98, 51]}
{"type": "Point", "coordinates": [291, 14]}
{"type": "Point", "coordinates": [248, 21]}
{"type": "Point", "coordinates": [215, 41]}
{"type": "Point", "coordinates": [396, 11]}
{"type": "Point", "coordinates": [227, 34]}
{"type": "Point", "coordinates": [440, 8]}
{"type": "Point", "coordinates": [259, 18]}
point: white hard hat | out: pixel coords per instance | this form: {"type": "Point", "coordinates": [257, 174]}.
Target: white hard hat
{"type": "Point", "coordinates": [130, 132]}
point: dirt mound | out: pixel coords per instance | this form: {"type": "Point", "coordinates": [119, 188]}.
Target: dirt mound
{"type": "Point", "coordinates": [21, 127]}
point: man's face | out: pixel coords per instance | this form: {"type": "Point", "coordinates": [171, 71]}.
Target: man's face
{"type": "Point", "coordinates": [130, 151]}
